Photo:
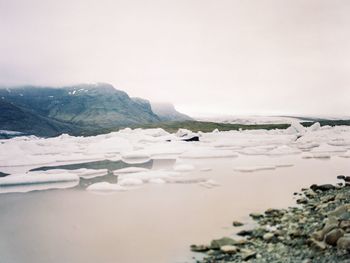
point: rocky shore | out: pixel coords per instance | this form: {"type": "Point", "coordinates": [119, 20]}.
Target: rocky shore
{"type": "Point", "coordinates": [316, 230]}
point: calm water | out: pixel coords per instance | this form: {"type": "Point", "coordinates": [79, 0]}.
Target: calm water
{"type": "Point", "coordinates": [155, 223]}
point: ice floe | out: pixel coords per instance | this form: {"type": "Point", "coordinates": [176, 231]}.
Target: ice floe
{"type": "Point", "coordinates": [130, 182]}
{"type": "Point", "coordinates": [89, 173]}
{"type": "Point", "coordinates": [37, 178]}
{"type": "Point", "coordinates": [35, 181]}
{"type": "Point", "coordinates": [183, 168]}
{"type": "Point", "coordinates": [254, 168]}
{"type": "Point", "coordinates": [326, 148]}
{"type": "Point", "coordinates": [130, 170]}
{"type": "Point", "coordinates": [345, 155]}
{"type": "Point", "coordinates": [136, 157]}
{"type": "Point", "coordinates": [284, 150]}
{"type": "Point", "coordinates": [209, 184]}
{"type": "Point", "coordinates": [136, 146]}
{"type": "Point", "coordinates": [296, 128]}
{"type": "Point", "coordinates": [207, 153]}
{"type": "Point", "coordinates": [105, 187]}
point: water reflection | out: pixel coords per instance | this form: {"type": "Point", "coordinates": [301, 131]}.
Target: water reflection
{"type": "Point", "coordinates": [3, 174]}
{"type": "Point", "coordinates": [37, 187]}
{"type": "Point", "coordinates": [105, 164]}
{"type": "Point", "coordinates": [83, 183]}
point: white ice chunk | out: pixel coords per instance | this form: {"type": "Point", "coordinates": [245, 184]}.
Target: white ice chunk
{"type": "Point", "coordinates": [284, 150]}
{"type": "Point", "coordinates": [156, 132]}
{"type": "Point", "coordinates": [207, 153]}
{"type": "Point", "coordinates": [183, 132]}
{"type": "Point", "coordinates": [184, 168]}
{"type": "Point", "coordinates": [314, 127]}
{"type": "Point", "coordinates": [150, 175]}
{"type": "Point", "coordinates": [295, 128]}
{"type": "Point", "coordinates": [284, 165]}
{"type": "Point", "coordinates": [307, 156]}
{"type": "Point", "coordinates": [130, 170]}
{"type": "Point", "coordinates": [157, 181]}
{"type": "Point", "coordinates": [254, 168]}
{"type": "Point", "coordinates": [339, 142]}
{"type": "Point", "coordinates": [259, 150]}
{"type": "Point", "coordinates": [24, 188]}
{"type": "Point", "coordinates": [130, 182]}
{"type": "Point", "coordinates": [321, 155]}
{"type": "Point", "coordinates": [209, 184]}
{"type": "Point", "coordinates": [136, 157]}
{"type": "Point", "coordinates": [186, 180]}
{"type": "Point", "coordinates": [37, 179]}
{"type": "Point", "coordinates": [105, 187]}
{"type": "Point", "coordinates": [345, 155]}
{"type": "Point", "coordinates": [307, 145]}
{"type": "Point", "coordinates": [325, 148]}
{"type": "Point", "coordinates": [89, 173]}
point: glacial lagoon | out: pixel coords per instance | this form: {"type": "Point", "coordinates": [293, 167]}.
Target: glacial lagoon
{"type": "Point", "coordinates": [146, 195]}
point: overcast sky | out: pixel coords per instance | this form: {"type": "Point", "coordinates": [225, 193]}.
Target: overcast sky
{"type": "Point", "coordinates": [205, 56]}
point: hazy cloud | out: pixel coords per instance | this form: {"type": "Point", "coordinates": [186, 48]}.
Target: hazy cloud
{"type": "Point", "coordinates": [221, 56]}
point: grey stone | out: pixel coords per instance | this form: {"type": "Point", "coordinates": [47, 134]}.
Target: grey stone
{"type": "Point", "coordinates": [256, 215]}
{"type": "Point", "coordinates": [199, 248]}
{"type": "Point", "coordinates": [237, 223]}
{"type": "Point", "coordinates": [344, 243]}
{"type": "Point", "coordinates": [229, 249]}
{"type": "Point", "coordinates": [247, 254]}
{"type": "Point", "coordinates": [217, 243]}
{"type": "Point", "coordinates": [317, 244]}
{"type": "Point", "coordinates": [268, 236]}
{"type": "Point", "coordinates": [332, 237]}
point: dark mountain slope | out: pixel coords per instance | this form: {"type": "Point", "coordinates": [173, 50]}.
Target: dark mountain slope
{"type": "Point", "coordinates": [14, 118]}
{"type": "Point", "coordinates": [94, 105]}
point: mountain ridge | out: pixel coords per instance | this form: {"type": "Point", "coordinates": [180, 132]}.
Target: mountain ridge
{"type": "Point", "coordinates": [50, 111]}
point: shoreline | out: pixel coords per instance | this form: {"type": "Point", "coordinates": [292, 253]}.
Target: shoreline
{"type": "Point", "coordinates": [316, 230]}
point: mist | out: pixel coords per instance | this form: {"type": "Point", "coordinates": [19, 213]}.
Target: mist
{"type": "Point", "coordinates": [206, 57]}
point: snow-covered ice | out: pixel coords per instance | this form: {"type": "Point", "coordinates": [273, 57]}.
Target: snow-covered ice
{"type": "Point", "coordinates": [37, 181]}
{"type": "Point", "coordinates": [130, 170]}
{"type": "Point", "coordinates": [207, 153]}
{"type": "Point", "coordinates": [105, 187]}
{"type": "Point", "coordinates": [37, 178]}
{"type": "Point", "coordinates": [254, 168]}
{"type": "Point", "coordinates": [130, 182]}
{"type": "Point", "coordinates": [136, 146]}
{"type": "Point", "coordinates": [184, 168]}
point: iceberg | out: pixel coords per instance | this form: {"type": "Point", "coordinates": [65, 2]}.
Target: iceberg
{"type": "Point", "coordinates": [37, 178]}
{"type": "Point", "coordinates": [254, 168]}
{"type": "Point", "coordinates": [130, 170]}
{"type": "Point", "coordinates": [105, 187]}
{"type": "Point", "coordinates": [130, 182]}
{"type": "Point", "coordinates": [208, 153]}
{"type": "Point", "coordinates": [183, 168]}
{"type": "Point", "coordinates": [136, 157]}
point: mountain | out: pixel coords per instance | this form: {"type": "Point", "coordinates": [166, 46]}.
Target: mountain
{"type": "Point", "coordinates": [49, 111]}
{"type": "Point", "coordinates": [14, 118]}
{"type": "Point", "coordinates": [167, 112]}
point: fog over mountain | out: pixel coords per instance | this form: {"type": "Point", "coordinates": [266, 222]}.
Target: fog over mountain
{"type": "Point", "coordinates": [222, 57]}
{"type": "Point", "coordinates": [78, 109]}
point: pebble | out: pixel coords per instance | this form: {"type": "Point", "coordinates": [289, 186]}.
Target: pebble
{"type": "Point", "coordinates": [268, 236]}
{"type": "Point", "coordinates": [344, 243]}
{"type": "Point", "coordinates": [237, 223]}
{"type": "Point", "coordinates": [318, 230]}
{"type": "Point", "coordinates": [332, 237]}
{"type": "Point", "coordinates": [229, 249]}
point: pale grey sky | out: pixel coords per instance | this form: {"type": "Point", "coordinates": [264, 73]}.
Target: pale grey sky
{"type": "Point", "coordinates": [205, 56]}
